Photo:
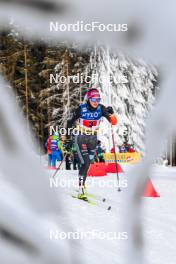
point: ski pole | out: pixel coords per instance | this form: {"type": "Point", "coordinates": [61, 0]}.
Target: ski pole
{"type": "Point", "coordinates": [115, 156]}
{"type": "Point", "coordinates": [60, 165]}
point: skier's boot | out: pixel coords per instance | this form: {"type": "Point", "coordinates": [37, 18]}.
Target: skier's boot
{"type": "Point", "coordinates": [82, 193]}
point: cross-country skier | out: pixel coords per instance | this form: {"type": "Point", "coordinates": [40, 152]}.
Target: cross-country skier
{"type": "Point", "coordinates": [88, 116]}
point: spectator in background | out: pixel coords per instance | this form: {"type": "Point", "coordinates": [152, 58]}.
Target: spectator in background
{"type": "Point", "coordinates": [54, 148]}
{"type": "Point", "coordinates": [99, 153]}
{"type": "Point", "coordinates": [49, 152]}
{"type": "Point", "coordinates": [76, 162]}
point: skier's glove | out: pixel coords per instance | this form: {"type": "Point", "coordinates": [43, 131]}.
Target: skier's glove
{"type": "Point", "coordinates": [112, 117]}
{"type": "Point", "coordinates": [110, 110]}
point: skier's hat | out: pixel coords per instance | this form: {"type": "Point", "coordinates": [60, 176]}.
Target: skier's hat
{"type": "Point", "coordinates": [93, 93]}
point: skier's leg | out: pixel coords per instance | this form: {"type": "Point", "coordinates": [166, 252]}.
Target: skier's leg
{"type": "Point", "coordinates": [86, 151]}
{"type": "Point", "coordinates": [89, 156]}
{"type": "Point", "coordinates": [53, 160]}
{"type": "Point", "coordinates": [58, 155]}
{"type": "Point", "coordinates": [49, 160]}
{"type": "Point", "coordinates": [92, 143]}
{"type": "Point", "coordinates": [81, 145]}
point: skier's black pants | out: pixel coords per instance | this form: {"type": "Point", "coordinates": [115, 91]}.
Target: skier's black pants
{"type": "Point", "coordinates": [86, 146]}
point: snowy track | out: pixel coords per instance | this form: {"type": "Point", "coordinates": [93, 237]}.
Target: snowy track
{"type": "Point", "coordinates": [159, 218]}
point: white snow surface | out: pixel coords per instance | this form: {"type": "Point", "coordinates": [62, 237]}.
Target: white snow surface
{"type": "Point", "coordinates": [158, 217]}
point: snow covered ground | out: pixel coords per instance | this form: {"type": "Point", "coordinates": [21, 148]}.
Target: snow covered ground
{"type": "Point", "coordinates": [159, 217]}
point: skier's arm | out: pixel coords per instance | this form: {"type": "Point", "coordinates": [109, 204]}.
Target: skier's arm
{"type": "Point", "coordinates": [70, 123]}
{"type": "Point", "coordinates": [108, 113]}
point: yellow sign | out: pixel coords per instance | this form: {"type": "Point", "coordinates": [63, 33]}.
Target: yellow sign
{"type": "Point", "coordinates": [127, 157]}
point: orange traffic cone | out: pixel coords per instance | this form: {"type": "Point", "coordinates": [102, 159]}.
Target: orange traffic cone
{"type": "Point", "coordinates": [150, 190]}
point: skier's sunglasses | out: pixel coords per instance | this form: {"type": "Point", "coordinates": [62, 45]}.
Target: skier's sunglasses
{"type": "Point", "coordinates": [95, 100]}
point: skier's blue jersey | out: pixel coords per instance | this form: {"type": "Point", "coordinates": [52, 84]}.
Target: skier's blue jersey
{"type": "Point", "coordinates": [87, 114]}
{"type": "Point", "coordinates": [90, 118]}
